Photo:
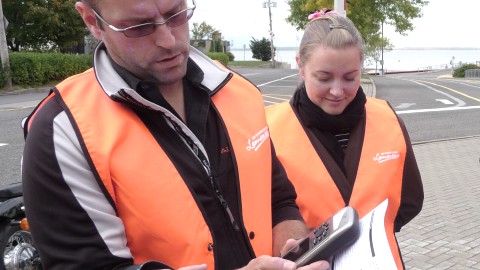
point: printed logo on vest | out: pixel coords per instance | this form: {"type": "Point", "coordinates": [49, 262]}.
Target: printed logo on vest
{"type": "Point", "coordinates": [224, 150]}
{"type": "Point", "coordinates": [386, 156]}
{"type": "Point", "coordinates": [258, 139]}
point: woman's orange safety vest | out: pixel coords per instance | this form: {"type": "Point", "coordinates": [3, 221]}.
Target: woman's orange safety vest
{"type": "Point", "coordinates": [379, 175]}
{"type": "Point", "coordinates": [161, 218]}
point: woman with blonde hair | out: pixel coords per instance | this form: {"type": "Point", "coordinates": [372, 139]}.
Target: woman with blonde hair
{"type": "Point", "coordinates": [341, 148]}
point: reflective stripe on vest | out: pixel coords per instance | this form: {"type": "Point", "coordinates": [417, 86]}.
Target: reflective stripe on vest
{"type": "Point", "coordinates": [379, 175]}
{"type": "Point", "coordinates": [161, 218]}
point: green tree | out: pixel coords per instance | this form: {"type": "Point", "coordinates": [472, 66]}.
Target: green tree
{"type": "Point", "coordinates": [261, 49]}
{"type": "Point", "coordinates": [201, 31]}
{"type": "Point", "coordinates": [217, 45]}
{"type": "Point", "coordinates": [43, 25]}
{"type": "Point", "coordinates": [367, 15]}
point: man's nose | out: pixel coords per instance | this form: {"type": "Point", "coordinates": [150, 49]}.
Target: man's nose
{"type": "Point", "coordinates": [164, 37]}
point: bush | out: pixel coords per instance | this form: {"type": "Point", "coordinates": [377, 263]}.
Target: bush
{"type": "Point", "coordinates": [222, 57]}
{"type": "Point", "coordinates": [2, 77]}
{"type": "Point", "coordinates": [36, 69]}
{"type": "Point", "coordinates": [230, 55]}
{"type": "Point", "coordinates": [460, 72]}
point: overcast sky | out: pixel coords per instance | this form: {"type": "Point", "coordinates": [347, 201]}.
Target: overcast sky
{"type": "Point", "coordinates": [445, 23]}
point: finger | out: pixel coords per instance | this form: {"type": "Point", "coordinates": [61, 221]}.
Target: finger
{"type": "Point", "coordinates": [320, 265]}
{"type": "Point", "coordinates": [194, 267]}
{"type": "Point", "coordinates": [289, 245]}
{"type": "Point", "coordinates": [283, 264]}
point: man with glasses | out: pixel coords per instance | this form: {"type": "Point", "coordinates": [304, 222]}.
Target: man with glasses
{"type": "Point", "coordinates": [157, 157]}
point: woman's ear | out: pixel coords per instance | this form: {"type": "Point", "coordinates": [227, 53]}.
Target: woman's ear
{"type": "Point", "coordinates": [301, 73]}
{"type": "Point", "coordinates": [89, 18]}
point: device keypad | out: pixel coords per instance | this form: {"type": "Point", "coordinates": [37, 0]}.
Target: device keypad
{"type": "Point", "coordinates": [320, 233]}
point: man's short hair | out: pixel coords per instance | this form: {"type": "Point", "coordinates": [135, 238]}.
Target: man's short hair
{"type": "Point", "coordinates": [92, 3]}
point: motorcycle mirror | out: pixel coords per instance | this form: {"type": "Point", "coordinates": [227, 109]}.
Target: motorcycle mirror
{"type": "Point", "coordinates": [24, 120]}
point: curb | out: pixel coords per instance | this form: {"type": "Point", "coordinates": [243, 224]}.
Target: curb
{"type": "Point", "coordinates": [26, 91]}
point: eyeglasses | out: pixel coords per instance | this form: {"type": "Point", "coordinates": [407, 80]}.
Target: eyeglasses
{"type": "Point", "coordinates": [145, 29]}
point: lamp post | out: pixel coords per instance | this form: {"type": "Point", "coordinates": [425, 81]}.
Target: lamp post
{"type": "Point", "coordinates": [270, 4]}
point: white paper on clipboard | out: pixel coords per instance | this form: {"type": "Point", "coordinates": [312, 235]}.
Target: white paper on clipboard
{"type": "Point", "coordinates": [371, 251]}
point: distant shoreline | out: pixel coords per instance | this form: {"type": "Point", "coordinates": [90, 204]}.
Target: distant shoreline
{"type": "Point", "coordinates": [403, 48]}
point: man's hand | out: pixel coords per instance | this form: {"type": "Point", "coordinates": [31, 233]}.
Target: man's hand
{"type": "Point", "coordinates": [276, 263]}
{"type": "Point", "coordinates": [289, 245]}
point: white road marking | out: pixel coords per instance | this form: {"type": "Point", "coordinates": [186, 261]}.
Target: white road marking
{"type": "Point", "coordinates": [250, 74]}
{"type": "Point", "coordinates": [405, 105]}
{"type": "Point", "coordinates": [439, 109]}
{"type": "Point", "coordinates": [445, 101]}
{"type": "Point", "coordinates": [276, 80]}
{"type": "Point", "coordinates": [460, 102]}
{"type": "Point", "coordinates": [3, 144]}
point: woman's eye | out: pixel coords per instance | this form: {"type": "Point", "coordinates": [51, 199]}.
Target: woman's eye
{"type": "Point", "coordinates": [349, 79]}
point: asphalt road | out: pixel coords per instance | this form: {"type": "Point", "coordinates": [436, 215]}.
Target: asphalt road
{"type": "Point", "coordinates": [433, 105]}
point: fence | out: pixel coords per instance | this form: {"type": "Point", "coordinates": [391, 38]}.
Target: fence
{"type": "Point", "coordinates": [472, 73]}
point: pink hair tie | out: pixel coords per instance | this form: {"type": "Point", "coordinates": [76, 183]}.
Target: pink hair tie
{"type": "Point", "coordinates": [319, 13]}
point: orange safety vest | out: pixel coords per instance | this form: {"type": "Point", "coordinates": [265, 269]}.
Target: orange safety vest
{"type": "Point", "coordinates": [161, 218]}
{"type": "Point", "coordinates": [379, 175]}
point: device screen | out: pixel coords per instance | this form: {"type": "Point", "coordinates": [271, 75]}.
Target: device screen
{"type": "Point", "coordinates": [296, 252]}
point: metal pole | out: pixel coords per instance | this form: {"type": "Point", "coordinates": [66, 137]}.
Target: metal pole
{"type": "Point", "coordinates": [4, 50]}
{"type": "Point", "coordinates": [244, 52]}
{"type": "Point", "coordinates": [382, 49]}
{"type": "Point", "coordinates": [340, 6]}
{"type": "Point", "coordinates": [271, 34]}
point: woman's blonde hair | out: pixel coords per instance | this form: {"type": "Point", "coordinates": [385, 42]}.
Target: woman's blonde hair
{"type": "Point", "coordinates": [331, 31]}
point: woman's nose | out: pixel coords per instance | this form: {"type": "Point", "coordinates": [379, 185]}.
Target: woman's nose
{"type": "Point", "coordinates": [337, 88]}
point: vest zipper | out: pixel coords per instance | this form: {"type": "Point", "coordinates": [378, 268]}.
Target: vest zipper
{"type": "Point", "coordinates": [224, 203]}
{"type": "Point", "coordinates": [206, 164]}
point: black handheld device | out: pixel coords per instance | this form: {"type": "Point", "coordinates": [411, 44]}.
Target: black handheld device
{"type": "Point", "coordinates": [335, 234]}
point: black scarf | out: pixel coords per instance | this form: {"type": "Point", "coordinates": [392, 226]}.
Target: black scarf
{"type": "Point", "coordinates": [325, 126]}
{"type": "Point", "coordinates": [314, 117]}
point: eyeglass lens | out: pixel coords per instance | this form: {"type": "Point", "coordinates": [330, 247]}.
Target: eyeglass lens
{"type": "Point", "coordinates": [147, 29]}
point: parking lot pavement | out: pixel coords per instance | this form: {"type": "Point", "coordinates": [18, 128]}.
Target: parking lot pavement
{"type": "Point", "coordinates": [446, 233]}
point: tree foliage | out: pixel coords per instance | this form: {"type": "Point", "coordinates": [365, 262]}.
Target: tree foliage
{"type": "Point", "coordinates": [202, 31]}
{"type": "Point", "coordinates": [367, 15]}
{"type": "Point", "coordinates": [460, 71]}
{"type": "Point", "coordinates": [216, 46]}
{"type": "Point", "coordinates": [261, 49]}
{"type": "Point", "coordinates": [43, 24]}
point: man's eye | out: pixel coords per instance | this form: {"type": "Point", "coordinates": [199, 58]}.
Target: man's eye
{"type": "Point", "coordinates": [140, 30]}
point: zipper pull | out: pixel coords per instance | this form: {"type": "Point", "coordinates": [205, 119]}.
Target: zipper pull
{"type": "Point", "coordinates": [230, 215]}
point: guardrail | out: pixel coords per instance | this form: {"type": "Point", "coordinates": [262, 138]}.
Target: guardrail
{"type": "Point", "coordinates": [472, 73]}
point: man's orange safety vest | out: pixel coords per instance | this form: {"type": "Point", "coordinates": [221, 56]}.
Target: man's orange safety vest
{"type": "Point", "coordinates": [161, 218]}
{"type": "Point", "coordinates": [379, 175]}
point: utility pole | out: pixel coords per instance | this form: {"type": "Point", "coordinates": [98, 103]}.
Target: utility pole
{"type": "Point", "coordinates": [4, 50]}
{"type": "Point", "coordinates": [340, 6]}
{"type": "Point", "coordinates": [271, 3]}
{"type": "Point", "coordinates": [381, 61]}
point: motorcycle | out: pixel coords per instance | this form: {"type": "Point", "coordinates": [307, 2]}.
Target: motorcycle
{"type": "Point", "coordinates": [17, 249]}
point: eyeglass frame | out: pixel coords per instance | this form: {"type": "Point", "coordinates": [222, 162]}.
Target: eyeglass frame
{"type": "Point", "coordinates": [156, 24]}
